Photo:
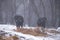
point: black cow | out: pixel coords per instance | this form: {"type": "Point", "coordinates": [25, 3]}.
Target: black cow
{"type": "Point", "coordinates": [41, 22]}
{"type": "Point", "coordinates": [19, 21]}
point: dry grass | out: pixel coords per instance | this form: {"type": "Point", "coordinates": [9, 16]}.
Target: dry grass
{"type": "Point", "coordinates": [1, 38]}
{"type": "Point", "coordinates": [54, 31]}
{"type": "Point", "coordinates": [9, 38]}
{"type": "Point", "coordinates": [35, 32]}
{"type": "Point", "coordinates": [12, 38]}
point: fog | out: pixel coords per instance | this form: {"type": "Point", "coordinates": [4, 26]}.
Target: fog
{"type": "Point", "coordinates": [31, 10]}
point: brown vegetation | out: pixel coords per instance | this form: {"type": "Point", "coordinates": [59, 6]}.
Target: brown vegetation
{"type": "Point", "coordinates": [12, 38]}
{"type": "Point", "coordinates": [35, 32]}
{"type": "Point", "coordinates": [1, 38]}
{"type": "Point", "coordinates": [54, 31]}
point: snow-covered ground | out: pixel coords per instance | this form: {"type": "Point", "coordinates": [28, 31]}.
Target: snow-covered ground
{"type": "Point", "coordinates": [9, 29]}
{"type": "Point", "coordinates": [58, 29]}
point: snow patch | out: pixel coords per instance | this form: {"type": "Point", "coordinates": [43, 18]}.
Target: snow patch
{"type": "Point", "coordinates": [7, 27]}
{"type": "Point", "coordinates": [58, 29]}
